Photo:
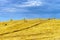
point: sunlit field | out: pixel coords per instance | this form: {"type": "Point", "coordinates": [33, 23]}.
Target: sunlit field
{"type": "Point", "coordinates": [30, 29]}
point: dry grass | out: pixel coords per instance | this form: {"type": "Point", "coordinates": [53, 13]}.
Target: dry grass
{"type": "Point", "coordinates": [33, 29]}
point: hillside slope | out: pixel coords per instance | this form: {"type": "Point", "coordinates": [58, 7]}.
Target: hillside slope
{"type": "Point", "coordinates": [34, 29]}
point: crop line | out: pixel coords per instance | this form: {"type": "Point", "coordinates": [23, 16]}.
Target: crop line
{"type": "Point", "coordinates": [21, 29]}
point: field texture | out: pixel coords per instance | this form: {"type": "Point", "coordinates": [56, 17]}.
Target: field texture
{"type": "Point", "coordinates": [32, 29]}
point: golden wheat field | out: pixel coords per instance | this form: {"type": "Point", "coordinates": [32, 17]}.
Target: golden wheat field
{"type": "Point", "coordinates": [32, 29]}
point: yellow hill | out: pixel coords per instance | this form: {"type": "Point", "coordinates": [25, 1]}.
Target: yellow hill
{"type": "Point", "coordinates": [33, 29]}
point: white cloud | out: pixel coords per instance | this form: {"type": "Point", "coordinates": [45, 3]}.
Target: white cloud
{"type": "Point", "coordinates": [15, 7]}
{"type": "Point", "coordinates": [30, 3]}
{"type": "Point", "coordinates": [8, 9]}
{"type": "Point", "coordinates": [13, 10]}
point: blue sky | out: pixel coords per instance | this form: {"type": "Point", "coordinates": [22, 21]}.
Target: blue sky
{"type": "Point", "coordinates": [19, 9]}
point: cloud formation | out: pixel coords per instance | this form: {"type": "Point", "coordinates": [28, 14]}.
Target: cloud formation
{"type": "Point", "coordinates": [30, 3]}
{"type": "Point", "coordinates": [9, 6]}
{"type": "Point", "coordinates": [31, 8]}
